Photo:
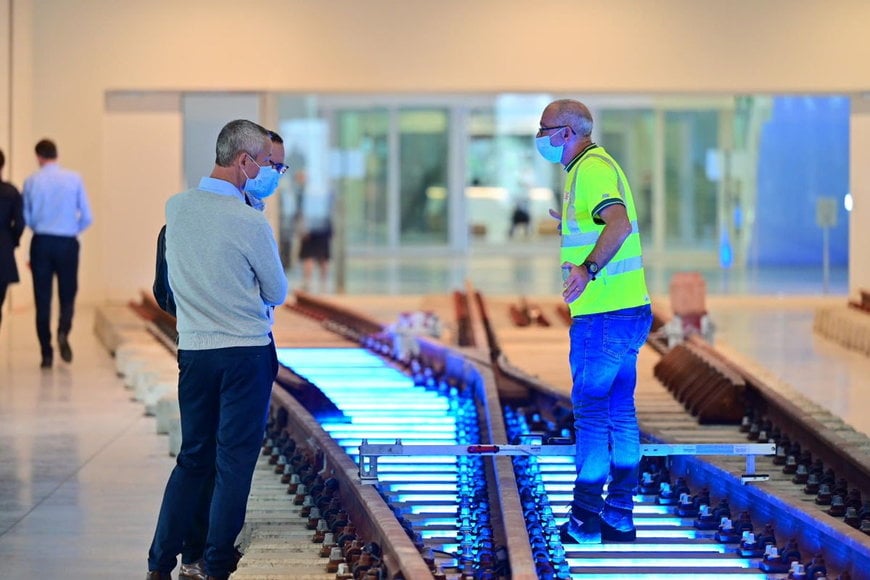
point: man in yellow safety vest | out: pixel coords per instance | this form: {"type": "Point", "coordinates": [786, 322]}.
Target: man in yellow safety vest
{"type": "Point", "coordinates": [605, 289]}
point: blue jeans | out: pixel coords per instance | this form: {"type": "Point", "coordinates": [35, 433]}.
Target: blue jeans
{"type": "Point", "coordinates": [603, 359]}
{"type": "Point", "coordinates": [224, 396]}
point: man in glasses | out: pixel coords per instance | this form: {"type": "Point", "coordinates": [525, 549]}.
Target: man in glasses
{"type": "Point", "coordinates": [605, 289]}
{"type": "Point", "coordinates": [256, 191]}
{"type": "Point", "coordinates": [267, 180]}
{"type": "Point", "coordinates": [226, 357]}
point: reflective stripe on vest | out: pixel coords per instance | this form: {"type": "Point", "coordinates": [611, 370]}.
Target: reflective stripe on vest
{"type": "Point", "coordinates": [589, 238]}
{"type": "Point", "coordinates": [623, 266]}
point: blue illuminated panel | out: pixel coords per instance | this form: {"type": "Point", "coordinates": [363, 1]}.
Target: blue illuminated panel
{"type": "Point", "coordinates": [380, 404]}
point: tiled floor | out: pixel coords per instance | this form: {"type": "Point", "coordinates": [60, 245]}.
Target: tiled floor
{"type": "Point", "coordinates": [534, 269]}
{"type": "Point", "coordinates": [82, 470]}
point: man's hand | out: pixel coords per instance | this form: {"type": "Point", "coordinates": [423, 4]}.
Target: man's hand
{"type": "Point", "coordinates": [575, 283]}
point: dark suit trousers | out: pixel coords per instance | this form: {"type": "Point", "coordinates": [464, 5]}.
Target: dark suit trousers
{"type": "Point", "coordinates": [52, 256]}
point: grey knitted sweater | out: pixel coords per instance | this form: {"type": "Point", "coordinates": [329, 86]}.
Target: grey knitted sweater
{"type": "Point", "coordinates": [224, 268]}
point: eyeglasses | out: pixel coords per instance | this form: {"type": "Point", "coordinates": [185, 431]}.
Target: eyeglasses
{"type": "Point", "coordinates": [280, 168]}
{"type": "Point", "coordinates": [254, 159]}
{"type": "Point", "coordinates": [542, 128]}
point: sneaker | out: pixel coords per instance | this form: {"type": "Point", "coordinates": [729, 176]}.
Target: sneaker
{"type": "Point", "coordinates": [65, 350]}
{"type": "Point", "coordinates": [617, 525]}
{"type": "Point", "coordinates": [581, 531]}
{"type": "Point", "coordinates": [194, 571]}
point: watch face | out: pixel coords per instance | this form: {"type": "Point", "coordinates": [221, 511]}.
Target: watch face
{"type": "Point", "coordinates": [592, 267]}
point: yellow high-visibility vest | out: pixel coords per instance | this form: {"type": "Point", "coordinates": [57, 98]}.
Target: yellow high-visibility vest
{"type": "Point", "coordinates": [594, 182]}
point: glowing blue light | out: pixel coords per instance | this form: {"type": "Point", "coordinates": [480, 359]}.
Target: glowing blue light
{"type": "Point", "coordinates": [376, 429]}
{"type": "Point", "coordinates": [339, 371]}
{"type": "Point", "coordinates": [374, 415]}
{"type": "Point", "coordinates": [415, 468]}
{"type": "Point", "coordinates": [653, 509]}
{"type": "Point", "coordinates": [658, 576]}
{"type": "Point", "coordinates": [450, 508]}
{"type": "Point", "coordinates": [383, 405]}
{"type": "Point", "coordinates": [351, 385]}
{"type": "Point", "coordinates": [430, 459]}
{"type": "Point", "coordinates": [631, 548]}
{"type": "Point", "coordinates": [370, 419]}
{"type": "Point", "coordinates": [558, 477]}
{"type": "Point", "coordinates": [647, 522]}
{"type": "Point", "coordinates": [429, 534]}
{"type": "Point", "coordinates": [559, 487]}
{"type": "Point", "coordinates": [424, 497]}
{"type": "Point", "coordinates": [556, 459]}
{"type": "Point", "coordinates": [560, 498]}
{"type": "Point", "coordinates": [661, 563]}
{"type": "Point", "coordinates": [412, 487]}
{"type": "Point", "coordinates": [353, 444]}
{"type": "Point", "coordinates": [411, 477]}
{"type": "Point", "coordinates": [556, 468]}
{"type": "Point", "coordinates": [371, 396]}
{"type": "Point", "coordinates": [438, 522]}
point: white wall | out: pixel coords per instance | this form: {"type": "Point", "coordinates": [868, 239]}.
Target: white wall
{"type": "Point", "coordinates": [5, 78]}
{"type": "Point", "coordinates": [142, 167]}
{"type": "Point", "coordinates": [69, 55]}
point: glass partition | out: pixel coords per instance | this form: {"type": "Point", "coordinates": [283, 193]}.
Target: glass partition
{"type": "Point", "coordinates": [721, 183]}
{"type": "Point", "coordinates": [422, 167]}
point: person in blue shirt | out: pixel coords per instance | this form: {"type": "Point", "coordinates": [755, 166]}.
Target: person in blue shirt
{"type": "Point", "coordinates": [56, 209]}
{"type": "Point", "coordinates": [11, 226]}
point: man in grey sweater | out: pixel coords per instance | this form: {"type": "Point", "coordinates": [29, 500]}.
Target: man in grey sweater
{"type": "Point", "coordinates": [226, 277]}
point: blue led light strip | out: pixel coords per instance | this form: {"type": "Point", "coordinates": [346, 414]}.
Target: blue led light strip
{"type": "Point", "coordinates": [381, 404]}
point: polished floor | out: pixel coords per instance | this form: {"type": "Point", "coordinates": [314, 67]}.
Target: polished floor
{"type": "Point", "coordinates": [82, 469]}
{"type": "Point", "coordinates": [533, 268]}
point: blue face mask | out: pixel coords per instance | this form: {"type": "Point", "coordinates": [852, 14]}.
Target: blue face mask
{"type": "Point", "coordinates": [264, 184]}
{"type": "Point", "coordinates": [549, 152]}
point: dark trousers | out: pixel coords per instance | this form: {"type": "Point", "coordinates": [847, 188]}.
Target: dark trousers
{"type": "Point", "coordinates": [52, 256]}
{"type": "Point", "coordinates": [223, 395]}
{"type": "Point", "coordinates": [3, 287]}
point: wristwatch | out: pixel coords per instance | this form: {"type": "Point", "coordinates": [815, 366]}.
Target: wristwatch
{"type": "Point", "coordinates": [592, 268]}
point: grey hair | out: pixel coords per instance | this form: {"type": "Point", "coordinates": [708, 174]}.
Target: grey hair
{"type": "Point", "coordinates": [573, 114]}
{"type": "Point", "coordinates": [239, 136]}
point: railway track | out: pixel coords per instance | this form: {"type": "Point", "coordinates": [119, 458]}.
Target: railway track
{"type": "Point", "coordinates": [483, 515]}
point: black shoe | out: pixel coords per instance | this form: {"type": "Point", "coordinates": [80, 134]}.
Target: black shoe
{"type": "Point", "coordinates": [617, 525]}
{"type": "Point", "coordinates": [583, 530]}
{"type": "Point", "coordinates": [158, 576]}
{"type": "Point", "coordinates": [195, 571]}
{"type": "Point", "coordinates": [46, 362]}
{"type": "Point", "coordinates": [65, 350]}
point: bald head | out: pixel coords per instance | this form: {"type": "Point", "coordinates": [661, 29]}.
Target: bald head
{"type": "Point", "coordinates": [572, 113]}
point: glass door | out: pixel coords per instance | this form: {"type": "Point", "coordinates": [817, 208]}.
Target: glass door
{"type": "Point", "coordinates": [362, 176]}
{"type": "Point", "coordinates": [423, 171]}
